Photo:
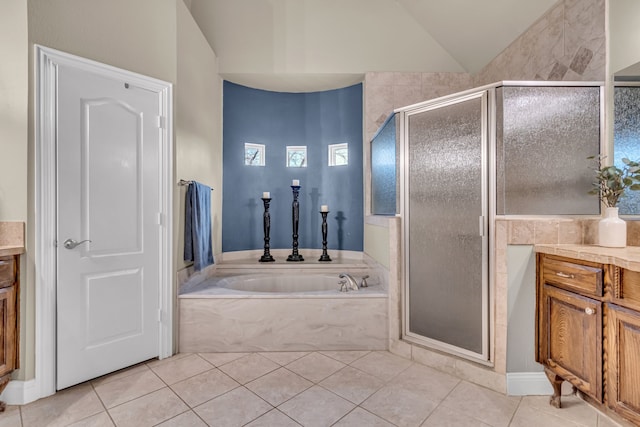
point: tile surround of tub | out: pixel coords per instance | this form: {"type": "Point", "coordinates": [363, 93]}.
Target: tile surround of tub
{"type": "Point", "coordinates": [249, 324]}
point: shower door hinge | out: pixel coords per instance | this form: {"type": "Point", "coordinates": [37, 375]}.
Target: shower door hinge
{"type": "Point", "coordinates": [159, 315]}
{"type": "Point", "coordinates": [161, 122]}
{"type": "Point", "coordinates": [481, 220]}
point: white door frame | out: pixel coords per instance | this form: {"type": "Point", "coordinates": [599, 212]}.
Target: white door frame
{"type": "Point", "coordinates": [47, 61]}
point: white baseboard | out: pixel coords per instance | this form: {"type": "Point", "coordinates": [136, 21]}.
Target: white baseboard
{"type": "Point", "coordinates": [528, 384]}
{"type": "Point", "coordinates": [20, 392]}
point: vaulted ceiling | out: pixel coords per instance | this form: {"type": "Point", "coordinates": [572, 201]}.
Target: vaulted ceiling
{"type": "Point", "coordinates": [302, 45]}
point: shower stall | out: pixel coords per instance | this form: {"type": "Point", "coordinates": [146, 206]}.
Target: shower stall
{"type": "Point", "coordinates": [504, 150]}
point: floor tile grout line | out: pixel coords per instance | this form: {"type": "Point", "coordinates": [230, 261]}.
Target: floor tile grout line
{"type": "Point", "coordinates": [376, 415]}
{"type": "Point", "coordinates": [259, 397]}
{"type": "Point", "coordinates": [264, 352]}
{"type": "Point", "coordinates": [297, 394]}
{"type": "Point", "coordinates": [367, 352]}
{"type": "Point", "coordinates": [357, 404]}
{"type": "Point", "coordinates": [93, 387]}
{"type": "Point", "coordinates": [215, 397]}
{"type": "Point", "coordinates": [102, 379]}
{"type": "Point", "coordinates": [442, 401]}
{"type": "Point", "coordinates": [386, 381]}
{"type": "Point", "coordinates": [177, 415]}
{"type": "Point", "coordinates": [461, 382]}
{"type": "Point", "coordinates": [139, 397]}
{"type": "Point", "coordinates": [345, 415]}
{"type": "Point", "coordinates": [516, 411]}
{"type": "Point", "coordinates": [194, 375]}
{"type": "Point", "coordinates": [187, 378]}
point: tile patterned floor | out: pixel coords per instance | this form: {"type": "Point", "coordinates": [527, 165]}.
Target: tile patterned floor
{"type": "Point", "coordinates": [346, 389]}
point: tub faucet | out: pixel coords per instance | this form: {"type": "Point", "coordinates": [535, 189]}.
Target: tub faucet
{"type": "Point", "coordinates": [352, 282]}
{"type": "Point", "coordinates": [363, 283]}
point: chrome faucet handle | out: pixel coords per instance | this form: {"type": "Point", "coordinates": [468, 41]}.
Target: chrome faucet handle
{"type": "Point", "coordinates": [363, 282]}
{"type": "Point", "coordinates": [350, 280]}
{"type": "Point", "coordinates": [343, 286]}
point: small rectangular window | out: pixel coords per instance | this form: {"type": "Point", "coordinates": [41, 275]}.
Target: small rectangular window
{"type": "Point", "coordinates": [297, 156]}
{"type": "Point", "coordinates": [339, 154]}
{"type": "Point", "coordinates": [253, 154]}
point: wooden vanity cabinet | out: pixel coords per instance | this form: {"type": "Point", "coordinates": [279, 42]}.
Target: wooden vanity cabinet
{"type": "Point", "coordinates": [588, 331]}
{"type": "Point", "coordinates": [623, 349]}
{"type": "Point", "coordinates": [8, 319]}
{"type": "Point", "coordinates": [572, 349]}
{"type": "Point", "coordinates": [624, 362]}
{"type": "Point", "coordinates": [569, 326]}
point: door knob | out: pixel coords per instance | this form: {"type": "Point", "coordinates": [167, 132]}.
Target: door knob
{"type": "Point", "coordinates": [70, 243]}
{"type": "Point", "coordinates": [589, 311]}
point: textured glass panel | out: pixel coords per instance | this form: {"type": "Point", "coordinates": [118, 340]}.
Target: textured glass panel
{"type": "Point", "coordinates": [545, 135]}
{"type": "Point", "coordinates": [626, 138]}
{"type": "Point", "coordinates": [445, 203]}
{"type": "Point", "coordinates": [383, 170]}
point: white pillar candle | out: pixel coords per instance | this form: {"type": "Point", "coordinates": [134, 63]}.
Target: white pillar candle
{"type": "Point", "coordinates": [296, 182]}
{"type": "Point", "coordinates": [266, 195]}
{"type": "Point", "coordinates": [324, 208]}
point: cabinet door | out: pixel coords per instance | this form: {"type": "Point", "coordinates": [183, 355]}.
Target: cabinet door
{"type": "Point", "coordinates": [7, 329]}
{"type": "Point", "coordinates": [571, 343]}
{"type": "Point", "coordinates": [623, 354]}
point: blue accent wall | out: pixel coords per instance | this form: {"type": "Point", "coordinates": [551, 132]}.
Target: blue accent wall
{"type": "Point", "coordinates": [278, 120]}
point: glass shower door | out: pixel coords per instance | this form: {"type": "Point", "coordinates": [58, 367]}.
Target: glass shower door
{"type": "Point", "coordinates": [446, 242]}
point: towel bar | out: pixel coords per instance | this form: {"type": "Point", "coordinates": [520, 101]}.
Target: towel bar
{"type": "Point", "coordinates": [187, 182]}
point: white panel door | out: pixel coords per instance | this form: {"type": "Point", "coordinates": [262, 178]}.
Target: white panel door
{"type": "Point", "coordinates": [108, 237]}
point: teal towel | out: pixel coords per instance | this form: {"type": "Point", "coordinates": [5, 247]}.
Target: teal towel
{"type": "Point", "coordinates": [197, 226]}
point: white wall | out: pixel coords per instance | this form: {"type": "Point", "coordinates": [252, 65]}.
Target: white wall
{"type": "Point", "coordinates": [198, 98]}
{"type": "Point", "coordinates": [14, 95]}
{"type": "Point", "coordinates": [276, 37]}
{"type": "Point", "coordinates": [139, 35]}
{"type": "Point", "coordinates": [13, 111]}
{"type": "Point", "coordinates": [624, 34]}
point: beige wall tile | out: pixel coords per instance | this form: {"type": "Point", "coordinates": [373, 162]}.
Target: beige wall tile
{"type": "Point", "coordinates": [590, 232]}
{"type": "Point", "coordinates": [521, 232]}
{"type": "Point", "coordinates": [546, 231]}
{"type": "Point", "coordinates": [407, 79]}
{"type": "Point", "coordinates": [570, 231]}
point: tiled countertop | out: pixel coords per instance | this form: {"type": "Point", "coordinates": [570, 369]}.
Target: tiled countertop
{"type": "Point", "coordinates": [11, 238]}
{"type": "Point", "coordinates": [628, 257]}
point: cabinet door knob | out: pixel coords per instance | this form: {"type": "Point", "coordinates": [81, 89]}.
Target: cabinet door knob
{"type": "Point", "coordinates": [589, 311]}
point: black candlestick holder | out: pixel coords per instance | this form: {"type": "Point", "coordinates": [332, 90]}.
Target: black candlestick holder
{"type": "Point", "coordinates": [325, 256]}
{"type": "Point", "coordinates": [266, 222]}
{"type": "Point", "coordinates": [295, 217]}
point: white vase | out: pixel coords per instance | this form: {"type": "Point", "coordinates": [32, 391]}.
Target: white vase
{"type": "Point", "coordinates": [612, 231]}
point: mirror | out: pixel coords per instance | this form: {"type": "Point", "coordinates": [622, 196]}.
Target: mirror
{"type": "Point", "coordinates": [624, 90]}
